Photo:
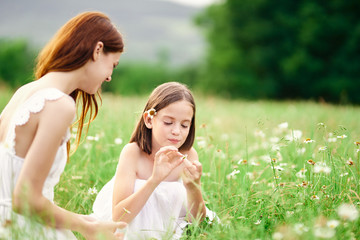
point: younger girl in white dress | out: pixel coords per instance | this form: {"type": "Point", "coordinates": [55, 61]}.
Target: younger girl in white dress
{"type": "Point", "coordinates": [34, 130]}
{"type": "Point", "coordinates": [157, 188]}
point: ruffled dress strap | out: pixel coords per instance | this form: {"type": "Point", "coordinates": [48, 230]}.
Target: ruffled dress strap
{"type": "Point", "coordinates": [34, 104]}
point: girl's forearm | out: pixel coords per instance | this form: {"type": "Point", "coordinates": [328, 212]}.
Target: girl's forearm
{"type": "Point", "coordinates": [196, 204]}
{"type": "Point", "coordinates": [127, 209]}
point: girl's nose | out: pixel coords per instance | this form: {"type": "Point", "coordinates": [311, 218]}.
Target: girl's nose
{"type": "Point", "coordinates": [108, 79]}
{"type": "Point", "coordinates": [176, 130]}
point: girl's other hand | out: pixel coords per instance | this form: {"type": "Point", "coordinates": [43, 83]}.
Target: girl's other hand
{"type": "Point", "coordinates": [192, 173]}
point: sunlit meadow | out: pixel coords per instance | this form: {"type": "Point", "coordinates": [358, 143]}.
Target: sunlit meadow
{"type": "Point", "coordinates": [271, 170]}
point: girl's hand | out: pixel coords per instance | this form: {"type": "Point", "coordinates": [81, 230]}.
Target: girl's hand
{"type": "Point", "coordinates": [97, 230]}
{"type": "Point", "coordinates": [192, 173]}
{"type": "Point", "coordinates": [166, 160]}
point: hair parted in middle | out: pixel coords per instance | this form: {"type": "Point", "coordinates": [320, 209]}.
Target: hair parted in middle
{"type": "Point", "coordinates": [161, 97]}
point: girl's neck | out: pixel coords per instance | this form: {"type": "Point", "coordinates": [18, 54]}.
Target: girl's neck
{"type": "Point", "coordinates": [154, 150]}
{"type": "Point", "coordinates": [151, 157]}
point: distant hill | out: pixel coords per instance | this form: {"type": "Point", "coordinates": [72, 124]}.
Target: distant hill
{"type": "Point", "coordinates": [148, 26]}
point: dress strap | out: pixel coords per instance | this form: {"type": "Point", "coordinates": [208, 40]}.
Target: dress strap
{"type": "Point", "coordinates": [34, 104]}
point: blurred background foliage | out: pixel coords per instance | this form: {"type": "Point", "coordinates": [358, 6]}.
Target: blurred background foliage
{"type": "Point", "coordinates": [256, 49]}
{"type": "Point", "coordinates": [280, 49]}
{"type": "Point", "coordinates": [16, 62]}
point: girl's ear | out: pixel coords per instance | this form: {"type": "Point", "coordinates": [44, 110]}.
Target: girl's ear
{"type": "Point", "coordinates": [97, 50]}
{"type": "Point", "coordinates": [147, 120]}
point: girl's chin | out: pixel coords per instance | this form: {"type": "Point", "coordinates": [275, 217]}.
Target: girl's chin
{"type": "Point", "coordinates": [177, 145]}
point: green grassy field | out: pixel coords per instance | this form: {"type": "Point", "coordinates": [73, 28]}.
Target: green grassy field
{"type": "Point", "coordinates": [258, 161]}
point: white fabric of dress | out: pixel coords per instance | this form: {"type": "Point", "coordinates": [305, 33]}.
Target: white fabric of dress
{"type": "Point", "coordinates": [11, 164]}
{"type": "Point", "coordinates": [162, 217]}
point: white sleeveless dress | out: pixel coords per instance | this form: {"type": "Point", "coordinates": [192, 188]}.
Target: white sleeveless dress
{"type": "Point", "coordinates": [10, 167]}
{"type": "Point", "coordinates": [162, 217]}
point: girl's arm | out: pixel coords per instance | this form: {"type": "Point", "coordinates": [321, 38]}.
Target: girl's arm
{"type": "Point", "coordinates": [126, 204]}
{"type": "Point", "coordinates": [191, 178]}
{"type": "Point", "coordinates": [53, 122]}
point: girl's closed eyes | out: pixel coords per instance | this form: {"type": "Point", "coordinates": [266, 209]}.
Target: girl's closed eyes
{"type": "Point", "coordinates": [167, 123]}
{"type": "Point", "coordinates": [182, 125]}
{"type": "Point", "coordinates": [185, 125]}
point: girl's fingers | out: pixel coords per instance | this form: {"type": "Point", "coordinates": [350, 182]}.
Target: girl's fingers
{"type": "Point", "coordinates": [171, 153]}
{"type": "Point", "coordinates": [193, 166]}
{"type": "Point", "coordinates": [166, 150]}
{"type": "Point", "coordinates": [187, 173]}
{"type": "Point", "coordinates": [179, 161]}
{"type": "Point", "coordinates": [192, 170]}
{"type": "Point", "coordinates": [198, 165]}
{"type": "Point", "coordinates": [121, 225]}
{"type": "Point", "coordinates": [114, 226]}
{"type": "Point", "coordinates": [190, 177]}
{"type": "Point", "coordinates": [174, 155]}
{"type": "Point", "coordinates": [187, 163]}
{"type": "Point", "coordinates": [119, 236]}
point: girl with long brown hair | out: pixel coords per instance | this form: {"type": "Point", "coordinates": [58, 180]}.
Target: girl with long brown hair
{"type": "Point", "coordinates": [157, 185]}
{"type": "Point", "coordinates": [34, 128]}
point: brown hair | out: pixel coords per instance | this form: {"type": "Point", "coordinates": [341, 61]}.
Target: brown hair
{"type": "Point", "coordinates": [161, 97]}
{"type": "Point", "coordinates": [71, 48]}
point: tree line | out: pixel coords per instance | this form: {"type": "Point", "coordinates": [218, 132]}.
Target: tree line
{"type": "Point", "coordinates": [305, 49]}
{"type": "Point", "coordinates": [256, 49]}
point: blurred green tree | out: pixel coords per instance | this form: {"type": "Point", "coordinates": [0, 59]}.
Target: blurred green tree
{"type": "Point", "coordinates": [16, 62]}
{"type": "Point", "coordinates": [283, 49]}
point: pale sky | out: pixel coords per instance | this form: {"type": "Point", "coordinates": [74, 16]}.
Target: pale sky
{"type": "Point", "coordinates": [150, 27]}
{"type": "Point", "coordinates": [194, 3]}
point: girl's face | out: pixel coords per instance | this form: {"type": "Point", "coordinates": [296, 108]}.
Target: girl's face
{"type": "Point", "coordinates": [100, 71]}
{"type": "Point", "coordinates": [171, 125]}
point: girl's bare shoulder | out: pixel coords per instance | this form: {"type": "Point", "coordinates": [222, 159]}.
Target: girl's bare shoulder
{"type": "Point", "coordinates": [132, 148]}
{"type": "Point", "coordinates": [130, 151]}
